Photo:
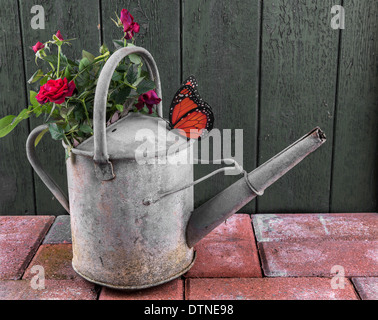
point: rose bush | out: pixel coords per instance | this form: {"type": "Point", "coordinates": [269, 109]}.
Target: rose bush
{"type": "Point", "coordinates": [66, 88]}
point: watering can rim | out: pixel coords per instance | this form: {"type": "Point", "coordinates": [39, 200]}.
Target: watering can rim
{"type": "Point", "coordinates": [86, 148]}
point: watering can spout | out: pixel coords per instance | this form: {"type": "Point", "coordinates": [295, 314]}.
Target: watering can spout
{"type": "Point", "coordinates": [212, 213]}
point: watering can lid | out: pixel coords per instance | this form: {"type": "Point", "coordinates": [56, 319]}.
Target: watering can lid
{"type": "Point", "coordinates": [133, 133]}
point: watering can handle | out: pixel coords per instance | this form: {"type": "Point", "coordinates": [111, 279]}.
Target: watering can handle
{"type": "Point", "coordinates": [45, 177]}
{"type": "Point", "coordinates": [103, 167]}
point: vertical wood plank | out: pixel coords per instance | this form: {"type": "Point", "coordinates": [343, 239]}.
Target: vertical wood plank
{"type": "Point", "coordinates": [78, 20]}
{"type": "Point", "coordinates": [16, 179]}
{"type": "Point", "coordinates": [159, 34]}
{"type": "Point", "coordinates": [355, 174]}
{"type": "Point", "coordinates": [220, 47]}
{"type": "Point", "coordinates": [299, 71]}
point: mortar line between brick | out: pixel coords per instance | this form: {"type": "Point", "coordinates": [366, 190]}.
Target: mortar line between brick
{"type": "Point", "coordinates": [257, 248]}
{"type": "Point", "coordinates": [183, 288]}
{"type": "Point", "coordinates": [29, 260]}
{"type": "Point", "coordinates": [98, 290]}
{"type": "Point", "coordinates": [355, 288]}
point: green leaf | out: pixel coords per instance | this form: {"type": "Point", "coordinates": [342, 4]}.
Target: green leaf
{"type": "Point", "coordinates": [134, 58]}
{"type": "Point", "coordinates": [117, 76]}
{"type": "Point", "coordinates": [8, 123]}
{"type": "Point", "coordinates": [36, 76]}
{"type": "Point", "coordinates": [63, 60]}
{"type": "Point", "coordinates": [53, 59]}
{"type": "Point", "coordinates": [84, 63]}
{"type": "Point", "coordinates": [103, 49]}
{"type": "Point", "coordinates": [40, 136]}
{"type": "Point", "coordinates": [145, 74]}
{"type": "Point", "coordinates": [118, 44]}
{"type": "Point", "coordinates": [67, 128]}
{"type": "Point", "coordinates": [88, 55]}
{"type": "Point", "coordinates": [138, 81]}
{"type": "Point", "coordinates": [33, 99]}
{"type": "Point", "coordinates": [43, 81]}
{"type": "Point", "coordinates": [145, 86]}
{"type": "Point", "coordinates": [67, 72]}
{"type": "Point", "coordinates": [121, 68]}
{"type": "Point", "coordinates": [56, 132]}
{"type": "Point", "coordinates": [73, 128]}
{"type": "Point", "coordinates": [121, 95]}
{"type": "Point", "coordinates": [72, 63]}
{"type": "Point", "coordinates": [83, 79]}
{"type": "Point", "coordinates": [79, 115]}
{"type": "Point", "coordinates": [65, 112]}
{"type": "Point", "coordinates": [131, 77]}
{"type": "Point", "coordinates": [86, 128]}
{"type": "Point", "coordinates": [119, 107]}
{"type": "Point", "coordinates": [68, 153]}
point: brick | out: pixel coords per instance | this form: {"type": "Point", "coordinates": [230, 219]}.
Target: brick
{"type": "Point", "coordinates": [367, 288]}
{"type": "Point", "coordinates": [298, 227]}
{"type": "Point", "coordinates": [78, 289]}
{"type": "Point", "coordinates": [60, 231]}
{"type": "Point", "coordinates": [316, 258]}
{"type": "Point", "coordinates": [266, 289]}
{"type": "Point", "coordinates": [20, 237]}
{"type": "Point", "coordinates": [173, 290]}
{"type": "Point", "coordinates": [228, 251]}
{"type": "Point", "coordinates": [56, 259]}
{"type": "Point", "coordinates": [238, 226]}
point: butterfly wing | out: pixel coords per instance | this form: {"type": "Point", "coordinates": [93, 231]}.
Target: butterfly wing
{"type": "Point", "coordinates": [189, 112]}
{"type": "Point", "coordinates": [183, 102]}
{"type": "Point", "coordinates": [196, 122]}
{"type": "Point", "coordinates": [191, 81]}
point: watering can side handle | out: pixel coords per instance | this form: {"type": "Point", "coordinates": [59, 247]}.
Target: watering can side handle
{"type": "Point", "coordinates": [103, 167]}
{"type": "Point", "coordinates": [36, 164]}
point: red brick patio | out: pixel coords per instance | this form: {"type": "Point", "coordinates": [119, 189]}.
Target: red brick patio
{"type": "Point", "coordinates": [268, 257]}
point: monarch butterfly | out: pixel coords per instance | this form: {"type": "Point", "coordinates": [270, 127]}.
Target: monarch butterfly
{"type": "Point", "coordinates": [188, 113]}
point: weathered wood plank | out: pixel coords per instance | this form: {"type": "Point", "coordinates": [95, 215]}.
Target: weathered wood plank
{"type": "Point", "coordinates": [159, 34]}
{"type": "Point", "coordinates": [299, 70]}
{"type": "Point", "coordinates": [355, 174]}
{"type": "Point", "coordinates": [220, 47]}
{"type": "Point", "coordinates": [78, 20]}
{"type": "Point", "coordinates": [16, 179]}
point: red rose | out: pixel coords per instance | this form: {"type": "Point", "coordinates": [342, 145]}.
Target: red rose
{"type": "Point", "coordinates": [134, 28]}
{"type": "Point", "coordinates": [149, 99]}
{"type": "Point", "coordinates": [129, 26]}
{"type": "Point", "coordinates": [59, 35]}
{"type": "Point", "coordinates": [55, 91]}
{"type": "Point", "coordinates": [38, 46]}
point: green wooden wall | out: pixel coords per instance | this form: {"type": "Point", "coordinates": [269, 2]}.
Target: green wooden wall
{"type": "Point", "coordinates": [274, 68]}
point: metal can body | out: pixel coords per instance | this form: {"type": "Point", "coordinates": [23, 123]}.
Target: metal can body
{"type": "Point", "coordinates": [120, 242]}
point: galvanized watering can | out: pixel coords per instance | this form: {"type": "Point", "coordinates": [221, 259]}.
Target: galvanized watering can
{"type": "Point", "coordinates": [128, 230]}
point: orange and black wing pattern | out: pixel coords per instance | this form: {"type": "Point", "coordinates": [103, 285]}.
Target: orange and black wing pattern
{"type": "Point", "coordinates": [188, 113]}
